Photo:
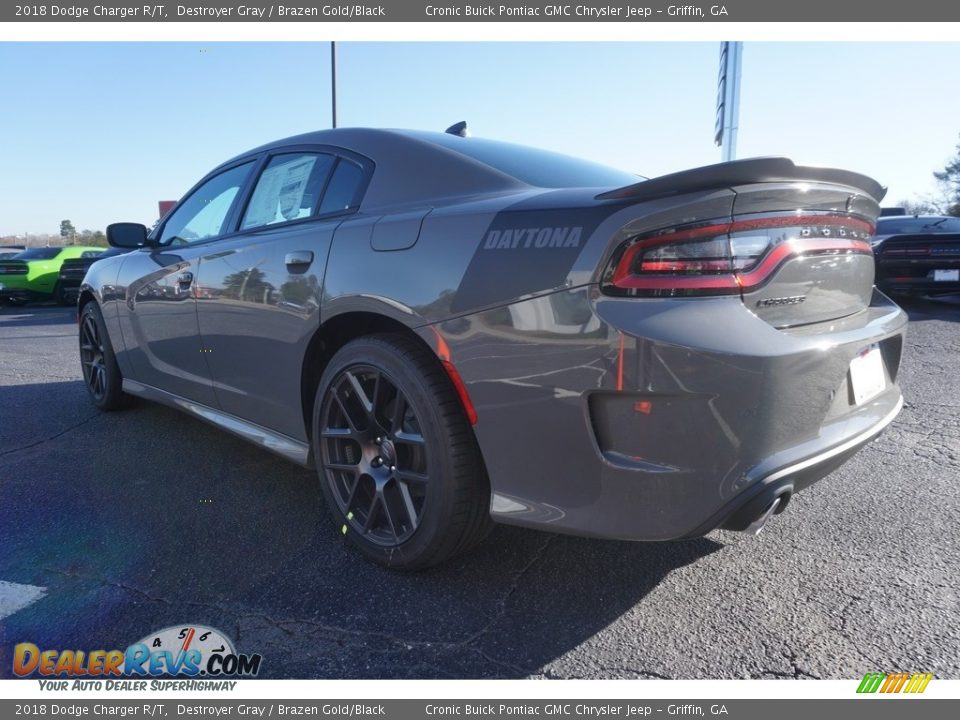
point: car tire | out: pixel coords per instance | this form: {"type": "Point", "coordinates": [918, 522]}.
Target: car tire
{"type": "Point", "coordinates": [59, 297]}
{"type": "Point", "coordinates": [399, 465]}
{"type": "Point", "coordinates": [101, 374]}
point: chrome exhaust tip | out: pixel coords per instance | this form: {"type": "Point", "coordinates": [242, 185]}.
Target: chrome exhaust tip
{"type": "Point", "coordinates": [758, 524]}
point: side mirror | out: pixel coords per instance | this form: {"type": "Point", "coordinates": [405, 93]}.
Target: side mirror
{"type": "Point", "coordinates": [127, 235]}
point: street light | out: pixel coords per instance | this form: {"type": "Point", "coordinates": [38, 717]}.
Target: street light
{"type": "Point", "coordinates": [333, 81]}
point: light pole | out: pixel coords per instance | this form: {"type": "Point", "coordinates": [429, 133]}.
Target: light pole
{"type": "Point", "coordinates": [333, 81]}
{"type": "Point", "coordinates": [728, 99]}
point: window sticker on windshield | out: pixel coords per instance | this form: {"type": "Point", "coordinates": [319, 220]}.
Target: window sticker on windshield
{"type": "Point", "coordinates": [280, 192]}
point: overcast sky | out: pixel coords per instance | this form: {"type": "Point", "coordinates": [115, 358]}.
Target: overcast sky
{"type": "Point", "coordinates": [99, 132]}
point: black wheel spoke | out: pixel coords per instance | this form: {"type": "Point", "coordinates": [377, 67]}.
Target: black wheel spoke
{"type": "Point", "coordinates": [93, 332]}
{"type": "Point", "coordinates": [409, 438]}
{"type": "Point", "coordinates": [346, 413]}
{"type": "Point", "coordinates": [396, 418]}
{"type": "Point", "coordinates": [409, 476]}
{"type": "Point", "coordinates": [352, 495]}
{"type": "Point", "coordinates": [408, 505]}
{"type": "Point", "coordinates": [371, 513]}
{"type": "Point", "coordinates": [360, 393]}
{"type": "Point", "coordinates": [391, 515]}
{"type": "Point", "coordinates": [375, 397]}
{"type": "Point", "coordinates": [344, 467]}
{"type": "Point", "coordinates": [373, 455]}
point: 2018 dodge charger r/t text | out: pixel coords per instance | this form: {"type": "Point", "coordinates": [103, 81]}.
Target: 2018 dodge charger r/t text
{"type": "Point", "coordinates": [454, 330]}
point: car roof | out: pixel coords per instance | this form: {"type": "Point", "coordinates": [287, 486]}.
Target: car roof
{"type": "Point", "coordinates": [410, 168]}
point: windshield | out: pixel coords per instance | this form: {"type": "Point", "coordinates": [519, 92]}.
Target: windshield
{"type": "Point", "coordinates": [540, 168]}
{"type": "Point", "coordinates": [934, 224]}
{"type": "Point", "coordinates": [44, 253]}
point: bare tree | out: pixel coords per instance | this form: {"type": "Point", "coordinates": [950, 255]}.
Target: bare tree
{"type": "Point", "coordinates": [949, 179]}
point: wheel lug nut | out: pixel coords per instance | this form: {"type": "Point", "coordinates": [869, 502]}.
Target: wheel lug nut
{"type": "Point", "coordinates": [379, 440]}
{"type": "Point", "coordinates": [376, 462]}
{"type": "Point", "coordinates": [393, 468]}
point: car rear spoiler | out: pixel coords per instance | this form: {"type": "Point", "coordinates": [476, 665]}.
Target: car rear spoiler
{"type": "Point", "coordinates": [742, 172]}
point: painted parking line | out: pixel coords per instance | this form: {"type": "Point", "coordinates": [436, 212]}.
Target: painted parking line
{"type": "Point", "coordinates": [14, 597]}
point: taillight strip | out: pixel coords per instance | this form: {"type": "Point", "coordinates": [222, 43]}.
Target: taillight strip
{"type": "Point", "coordinates": [791, 220]}
{"type": "Point", "coordinates": [758, 275]}
{"type": "Point", "coordinates": [738, 281]}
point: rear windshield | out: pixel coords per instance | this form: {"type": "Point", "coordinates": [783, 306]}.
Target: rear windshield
{"type": "Point", "coordinates": [540, 168]}
{"type": "Point", "coordinates": [44, 253]}
{"type": "Point", "coordinates": [898, 226]}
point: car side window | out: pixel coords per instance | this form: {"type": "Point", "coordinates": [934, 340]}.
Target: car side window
{"type": "Point", "coordinates": [203, 215]}
{"type": "Point", "coordinates": [343, 190]}
{"type": "Point", "coordinates": [288, 189]}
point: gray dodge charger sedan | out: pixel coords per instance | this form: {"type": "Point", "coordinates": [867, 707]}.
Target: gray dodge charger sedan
{"type": "Point", "coordinates": [455, 331]}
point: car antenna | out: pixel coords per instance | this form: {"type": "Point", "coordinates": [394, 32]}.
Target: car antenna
{"type": "Point", "coordinates": [459, 128]}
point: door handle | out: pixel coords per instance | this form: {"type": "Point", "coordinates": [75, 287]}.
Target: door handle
{"type": "Point", "coordinates": [300, 259]}
{"type": "Point", "coordinates": [185, 278]}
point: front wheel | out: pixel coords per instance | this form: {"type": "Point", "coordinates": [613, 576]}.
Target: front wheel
{"type": "Point", "coordinates": [101, 374]}
{"type": "Point", "coordinates": [398, 462]}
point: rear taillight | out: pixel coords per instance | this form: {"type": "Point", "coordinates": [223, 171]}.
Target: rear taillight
{"type": "Point", "coordinates": [907, 251]}
{"type": "Point", "coordinates": [729, 258]}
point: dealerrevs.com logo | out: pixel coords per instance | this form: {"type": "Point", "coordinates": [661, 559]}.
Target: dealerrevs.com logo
{"type": "Point", "coordinates": [185, 651]}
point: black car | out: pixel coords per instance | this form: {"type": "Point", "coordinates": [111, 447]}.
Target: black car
{"type": "Point", "coordinates": [73, 271]}
{"type": "Point", "coordinates": [918, 254]}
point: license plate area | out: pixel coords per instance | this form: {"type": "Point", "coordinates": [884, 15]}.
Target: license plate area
{"type": "Point", "coordinates": [867, 377]}
{"type": "Point", "coordinates": [946, 275]}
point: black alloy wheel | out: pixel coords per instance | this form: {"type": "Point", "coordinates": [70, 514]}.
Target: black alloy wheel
{"type": "Point", "coordinates": [101, 374]}
{"type": "Point", "coordinates": [398, 462]}
{"type": "Point", "coordinates": [375, 455]}
{"type": "Point", "coordinates": [91, 357]}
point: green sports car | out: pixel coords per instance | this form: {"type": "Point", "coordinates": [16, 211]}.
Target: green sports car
{"type": "Point", "coordinates": [33, 274]}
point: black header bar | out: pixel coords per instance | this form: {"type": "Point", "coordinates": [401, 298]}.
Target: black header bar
{"type": "Point", "coordinates": [854, 11]}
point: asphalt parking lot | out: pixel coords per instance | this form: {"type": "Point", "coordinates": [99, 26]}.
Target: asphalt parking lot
{"type": "Point", "coordinates": [131, 522]}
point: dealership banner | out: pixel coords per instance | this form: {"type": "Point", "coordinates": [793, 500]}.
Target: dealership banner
{"type": "Point", "coordinates": [860, 11]}
{"type": "Point", "coordinates": [486, 709]}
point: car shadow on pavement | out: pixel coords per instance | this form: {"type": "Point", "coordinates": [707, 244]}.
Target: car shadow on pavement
{"type": "Point", "coordinates": [17, 316]}
{"type": "Point", "coordinates": [143, 519]}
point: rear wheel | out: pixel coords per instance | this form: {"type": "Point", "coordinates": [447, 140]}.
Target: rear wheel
{"type": "Point", "coordinates": [398, 463]}
{"type": "Point", "coordinates": [101, 374]}
{"type": "Point", "coordinates": [59, 296]}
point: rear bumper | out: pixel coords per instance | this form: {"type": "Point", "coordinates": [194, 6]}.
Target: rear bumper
{"type": "Point", "coordinates": [70, 288]}
{"type": "Point", "coordinates": [785, 481]}
{"type": "Point", "coordinates": [663, 419]}
{"type": "Point", "coordinates": [916, 277]}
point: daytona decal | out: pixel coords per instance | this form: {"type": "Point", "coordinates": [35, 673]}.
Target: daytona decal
{"type": "Point", "coordinates": [537, 238]}
{"type": "Point", "coordinates": [524, 252]}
